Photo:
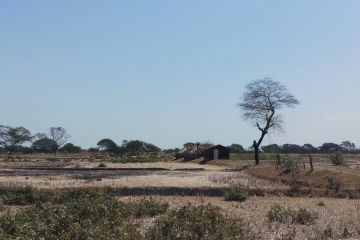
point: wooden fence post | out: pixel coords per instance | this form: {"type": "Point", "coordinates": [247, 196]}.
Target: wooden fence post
{"type": "Point", "coordinates": [311, 163]}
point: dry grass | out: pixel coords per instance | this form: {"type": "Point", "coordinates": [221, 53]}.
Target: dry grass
{"type": "Point", "coordinates": [316, 179]}
{"type": "Point", "coordinates": [63, 179]}
{"type": "Point", "coordinates": [243, 179]}
{"type": "Point", "coordinates": [336, 214]}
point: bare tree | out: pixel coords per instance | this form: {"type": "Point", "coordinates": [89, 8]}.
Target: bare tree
{"type": "Point", "coordinates": [10, 137]}
{"type": "Point", "coordinates": [59, 136]}
{"type": "Point", "coordinates": [260, 104]}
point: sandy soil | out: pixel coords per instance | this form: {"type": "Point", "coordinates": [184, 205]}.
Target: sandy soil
{"type": "Point", "coordinates": [139, 178]}
{"type": "Point", "coordinates": [337, 214]}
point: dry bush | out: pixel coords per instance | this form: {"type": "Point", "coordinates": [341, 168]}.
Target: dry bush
{"type": "Point", "coordinates": [242, 179]}
{"type": "Point", "coordinates": [88, 216]}
{"type": "Point", "coordinates": [203, 222]}
{"type": "Point", "coordinates": [281, 214]}
{"type": "Point", "coordinates": [148, 207]}
{"type": "Point", "coordinates": [238, 194]}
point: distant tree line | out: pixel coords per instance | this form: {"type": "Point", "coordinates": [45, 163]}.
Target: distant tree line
{"type": "Point", "coordinates": [20, 140]}
{"type": "Point", "coordinates": [344, 147]}
{"type": "Point", "coordinates": [131, 148]}
{"type": "Point", "coordinates": [13, 138]}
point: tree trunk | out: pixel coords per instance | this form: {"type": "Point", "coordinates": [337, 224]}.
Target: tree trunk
{"type": "Point", "coordinates": [10, 150]}
{"type": "Point", "coordinates": [257, 159]}
{"type": "Point", "coordinates": [256, 151]}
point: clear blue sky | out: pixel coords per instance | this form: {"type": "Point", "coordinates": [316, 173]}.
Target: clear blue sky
{"type": "Point", "coordinates": [169, 72]}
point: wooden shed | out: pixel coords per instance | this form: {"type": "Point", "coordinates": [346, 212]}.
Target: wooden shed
{"type": "Point", "coordinates": [216, 152]}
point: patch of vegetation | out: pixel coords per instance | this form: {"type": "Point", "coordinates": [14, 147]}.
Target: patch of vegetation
{"type": "Point", "coordinates": [304, 217]}
{"type": "Point", "coordinates": [91, 214]}
{"type": "Point", "coordinates": [197, 223]}
{"type": "Point", "coordinates": [334, 186]}
{"type": "Point", "coordinates": [281, 214]}
{"type": "Point", "coordinates": [239, 194]}
{"type": "Point", "coordinates": [96, 217]}
{"type": "Point", "coordinates": [337, 159]}
{"type": "Point", "coordinates": [148, 208]}
{"type": "Point", "coordinates": [23, 196]}
{"type": "Point", "coordinates": [29, 196]}
{"type": "Point", "coordinates": [138, 159]}
{"type": "Point", "coordinates": [102, 165]}
{"type": "Point", "coordinates": [289, 166]}
{"type": "Point", "coordinates": [278, 213]}
{"type": "Point", "coordinates": [295, 187]}
{"type": "Point", "coordinates": [74, 215]}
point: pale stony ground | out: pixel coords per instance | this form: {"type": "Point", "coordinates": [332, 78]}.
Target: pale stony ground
{"type": "Point", "coordinates": [172, 165]}
{"type": "Point", "coordinates": [213, 176]}
{"type": "Point", "coordinates": [154, 179]}
{"type": "Point", "coordinates": [188, 179]}
{"type": "Point", "coordinates": [336, 214]}
{"type": "Point", "coordinates": [88, 163]}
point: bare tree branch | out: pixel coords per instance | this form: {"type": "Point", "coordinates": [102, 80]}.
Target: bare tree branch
{"type": "Point", "coordinates": [260, 104]}
{"type": "Point", "coordinates": [59, 136]}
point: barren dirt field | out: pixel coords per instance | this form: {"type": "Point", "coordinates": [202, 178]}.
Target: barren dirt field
{"type": "Point", "coordinates": [335, 202]}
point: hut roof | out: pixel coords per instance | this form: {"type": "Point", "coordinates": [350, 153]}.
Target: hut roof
{"type": "Point", "coordinates": [215, 146]}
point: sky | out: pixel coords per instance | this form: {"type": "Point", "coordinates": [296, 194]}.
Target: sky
{"type": "Point", "coordinates": [170, 72]}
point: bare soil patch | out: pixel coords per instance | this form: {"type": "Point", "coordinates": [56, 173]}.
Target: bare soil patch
{"type": "Point", "coordinates": [335, 214]}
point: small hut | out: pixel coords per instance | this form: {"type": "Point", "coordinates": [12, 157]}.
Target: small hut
{"type": "Point", "coordinates": [216, 152]}
{"type": "Point", "coordinates": [190, 153]}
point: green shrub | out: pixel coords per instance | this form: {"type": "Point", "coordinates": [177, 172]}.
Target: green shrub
{"type": "Point", "coordinates": [337, 159]}
{"type": "Point", "coordinates": [148, 208]}
{"type": "Point", "coordinates": [281, 214]}
{"type": "Point", "coordinates": [23, 196]}
{"type": "Point", "coordinates": [239, 194]}
{"type": "Point", "coordinates": [304, 217]}
{"type": "Point", "coordinates": [102, 165]}
{"type": "Point", "coordinates": [198, 223]}
{"type": "Point", "coordinates": [75, 215]}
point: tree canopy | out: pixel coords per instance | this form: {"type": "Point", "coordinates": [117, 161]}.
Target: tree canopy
{"type": "Point", "coordinates": [136, 147]}
{"type": "Point", "coordinates": [70, 148]}
{"type": "Point", "coordinates": [236, 148]}
{"type": "Point", "coordinates": [108, 145]}
{"type": "Point", "coordinates": [10, 137]}
{"type": "Point", "coordinates": [44, 145]}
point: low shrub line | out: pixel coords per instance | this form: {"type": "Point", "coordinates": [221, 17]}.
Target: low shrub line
{"type": "Point", "coordinates": [23, 194]}
{"type": "Point", "coordinates": [281, 214]}
{"type": "Point", "coordinates": [86, 215]}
